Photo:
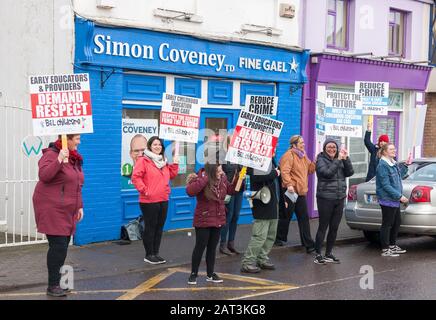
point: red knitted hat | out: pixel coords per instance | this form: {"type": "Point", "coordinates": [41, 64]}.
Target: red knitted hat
{"type": "Point", "coordinates": [383, 138]}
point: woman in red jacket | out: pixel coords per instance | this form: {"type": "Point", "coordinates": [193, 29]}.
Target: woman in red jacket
{"type": "Point", "coordinates": [151, 176]}
{"type": "Point", "coordinates": [210, 187]}
{"type": "Point", "coordinates": [58, 206]}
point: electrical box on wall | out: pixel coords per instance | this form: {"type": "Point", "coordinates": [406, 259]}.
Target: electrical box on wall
{"type": "Point", "coordinates": [105, 4]}
{"type": "Point", "coordinates": [287, 10]}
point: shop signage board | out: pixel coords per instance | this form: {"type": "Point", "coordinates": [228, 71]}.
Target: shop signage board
{"type": "Point", "coordinates": [61, 104]}
{"type": "Point", "coordinates": [254, 141]}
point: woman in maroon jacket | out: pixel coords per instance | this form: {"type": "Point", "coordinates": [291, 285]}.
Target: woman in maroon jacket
{"type": "Point", "coordinates": [58, 206]}
{"type": "Point", "coordinates": [210, 187]}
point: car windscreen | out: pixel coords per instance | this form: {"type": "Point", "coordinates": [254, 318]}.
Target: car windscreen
{"type": "Point", "coordinates": [411, 168]}
{"type": "Point", "coordinates": [424, 173]}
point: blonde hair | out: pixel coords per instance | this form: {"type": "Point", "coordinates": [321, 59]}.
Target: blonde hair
{"type": "Point", "coordinates": [295, 139]}
{"type": "Point", "coordinates": [383, 149]}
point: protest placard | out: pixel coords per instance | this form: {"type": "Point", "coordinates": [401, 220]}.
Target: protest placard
{"type": "Point", "coordinates": [375, 97]}
{"type": "Point", "coordinates": [254, 141]}
{"type": "Point", "coordinates": [263, 105]}
{"type": "Point", "coordinates": [179, 118]}
{"type": "Point", "coordinates": [61, 104]}
{"type": "Point", "coordinates": [343, 114]}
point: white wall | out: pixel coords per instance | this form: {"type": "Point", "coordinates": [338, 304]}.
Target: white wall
{"type": "Point", "coordinates": [36, 38]}
{"type": "Point", "coordinates": [221, 19]}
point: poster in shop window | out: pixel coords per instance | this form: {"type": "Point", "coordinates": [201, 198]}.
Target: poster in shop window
{"type": "Point", "coordinates": [254, 141]}
{"type": "Point", "coordinates": [61, 104]}
{"type": "Point", "coordinates": [343, 114]}
{"type": "Point", "coordinates": [375, 97]}
{"type": "Point", "coordinates": [179, 118]}
{"type": "Point", "coordinates": [134, 136]}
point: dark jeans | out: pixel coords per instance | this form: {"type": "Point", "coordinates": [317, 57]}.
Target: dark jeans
{"type": "Point", "coordinates": [330, 216]}
{"type": "Point", "coordinates": [56, 255]}
{"type": "Point", "coordinates": [233, 210]}
{"type": "Point", "coordinates": [391, 221]}
{"type": "Point", "coordinates": [154, 215]}
{"type": "Point", "coordinates": [300, 208]}
{"type": "Point", "coordinates": [205, 237]}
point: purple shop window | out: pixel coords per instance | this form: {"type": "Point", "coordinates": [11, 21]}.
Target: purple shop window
{"type": "Point", "coordinates": [397, 33]}
{"type": "Point", "coordinates": [337, 24]}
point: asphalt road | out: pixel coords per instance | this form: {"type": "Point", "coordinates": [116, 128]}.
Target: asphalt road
{"type": "Point", "coordinates": [409, 276]}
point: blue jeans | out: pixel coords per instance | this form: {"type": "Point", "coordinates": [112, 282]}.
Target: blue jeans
{"type": "Point", "coordinates": [233, 209]}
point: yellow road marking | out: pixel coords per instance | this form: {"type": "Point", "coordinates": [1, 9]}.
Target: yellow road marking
{"type": "Point", "coordinates": [237, 278]}
{"type": "Point", "coordinates": [150, 283]}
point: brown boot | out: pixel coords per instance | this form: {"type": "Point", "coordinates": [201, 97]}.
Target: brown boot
{"type": "Point", "coordinates": [231, 247]}
{"type": "Point", "coordinates": [224, 250]}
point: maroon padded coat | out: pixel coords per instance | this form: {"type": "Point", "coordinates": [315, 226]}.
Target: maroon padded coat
{"type": "Point", "coordinates": [58, 195]}
{"type": "Point", "coordinates": [209, 213]}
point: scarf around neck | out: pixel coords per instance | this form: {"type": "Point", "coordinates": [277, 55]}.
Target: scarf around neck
{"type": "Point", "coordinates": [299, 153]}
{"type": "Point", "coordinates": [74, 155]}
{"type": "Point", "coordinates": [158, 159]}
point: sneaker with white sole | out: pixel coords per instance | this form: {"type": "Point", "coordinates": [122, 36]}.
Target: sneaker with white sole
{"type": "Point", "coordinates": [192, 279]}
{"type": "Point", "coordinates": [152, 260]}
{"type": "Point", "coordinates": [160, 259]}
{"type": "Point", "coordinates": [389, 253]}
{"type": "Point", "coordinates": [397, 249]}
{"type": "Point", "coordinates": [214, 278]}
{"type": "Point", "coordinates": [319, 259]}
{"type": "Point", "coordinates": [329, 258]}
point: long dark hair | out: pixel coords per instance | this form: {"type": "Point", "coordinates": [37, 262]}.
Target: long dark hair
{"type": "Point", "coordinates": [210, 170]}
{"type": "Point", "coordinates": [150, 142]}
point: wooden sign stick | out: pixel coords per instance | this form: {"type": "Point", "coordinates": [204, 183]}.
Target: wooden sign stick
{"type": "Point", "coordinates": [64, 145]}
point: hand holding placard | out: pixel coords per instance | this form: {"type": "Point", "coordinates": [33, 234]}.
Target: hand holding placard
{"type": "Point", "coordinates": [242, 175]}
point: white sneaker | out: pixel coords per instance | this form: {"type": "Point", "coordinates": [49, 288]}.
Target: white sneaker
{"type": "Point", "coordinates": [397, 249]}
{"type": "Point", "coordinates": [389, 253]}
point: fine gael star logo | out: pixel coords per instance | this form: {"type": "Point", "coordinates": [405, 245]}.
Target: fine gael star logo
{"type": "Point", "coordinates": [294, 65]}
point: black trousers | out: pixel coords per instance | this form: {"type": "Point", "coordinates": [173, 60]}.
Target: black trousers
{"type": "Point", "coordinates": [300, 208]}
{"type": "Point", "coordinates": [391, 221]}
{"type": "Point", "coordinates": [154, 215]}
{"type": "Point", "coordinates": [56, 255]}
{"type": "Point", "coordinates": [205, 237]}
{"type": "Point", "coordinates": [330, 216]}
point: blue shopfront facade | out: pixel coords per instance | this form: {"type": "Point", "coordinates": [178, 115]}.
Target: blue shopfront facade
{"type": "Point", "coordinates": [130, 69]}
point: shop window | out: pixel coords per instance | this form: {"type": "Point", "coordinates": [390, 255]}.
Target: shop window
{"type": "Point", "coordinates": [256, 89]}
{"type": "Point", "coordinates": [337, 24]}
{"type": "Point", "coordinates": [220, 92]}
{"type": "Point", "coordinates": [397, 35]}
{"type": "Point", "coordinates": [144, 88]}
{"type": "Point", "coordinates": [188, 87]}
{"type": "Point", "coordinates": [186, 150]}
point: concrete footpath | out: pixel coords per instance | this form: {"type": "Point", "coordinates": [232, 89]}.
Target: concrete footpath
{"type": "Point", "coordinates": [25, 266]}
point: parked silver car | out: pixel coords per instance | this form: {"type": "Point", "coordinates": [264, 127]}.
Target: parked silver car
{"type": "Point", "coordinates": [363, 212]}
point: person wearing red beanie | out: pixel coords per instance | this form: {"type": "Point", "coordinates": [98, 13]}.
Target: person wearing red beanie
{"type": "Point", "coordinates": [373, 150]}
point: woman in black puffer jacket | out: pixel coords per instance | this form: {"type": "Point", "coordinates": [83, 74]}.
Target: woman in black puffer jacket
{"type": "Point", "coordinates": [332, 168]}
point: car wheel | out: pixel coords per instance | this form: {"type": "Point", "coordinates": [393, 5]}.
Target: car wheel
{"type": "Point", "coordinates": [372, 236]}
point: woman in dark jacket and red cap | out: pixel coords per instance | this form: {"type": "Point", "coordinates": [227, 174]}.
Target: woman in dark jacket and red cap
{"type": "Point", "coordinates": [210, 186]}
{"type": "Point", "coordinates": [373, 151]}
{"type": "Point", "coordinates": [58, 206]}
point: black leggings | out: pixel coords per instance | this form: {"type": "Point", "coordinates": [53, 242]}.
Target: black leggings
{"type": "Point", "coordinates": [391, 222]}
{"type": "Point", "coordinates": [205, 237]}
{"type": "Point", "coordinates": [300, 208]}
{"type": "Point", "coordinates": [154, 215]}
{"type": "Point", "coordinates": [330, 216]}
{"type": "Point", "coordinates": [56, 255]}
